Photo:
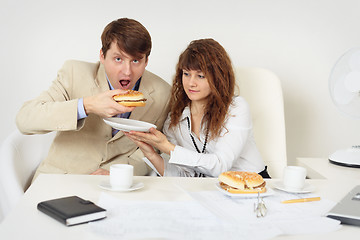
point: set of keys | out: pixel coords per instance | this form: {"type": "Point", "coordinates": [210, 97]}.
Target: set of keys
{"type": "Point", "coordinates": [259, 207]}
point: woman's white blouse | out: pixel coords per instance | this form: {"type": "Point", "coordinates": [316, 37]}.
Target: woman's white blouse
{"type": "Point", "coordinates": [234, 150]}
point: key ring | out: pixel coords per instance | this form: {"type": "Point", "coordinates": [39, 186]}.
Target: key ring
{"type": "Point", "coordinates": [259, 207]}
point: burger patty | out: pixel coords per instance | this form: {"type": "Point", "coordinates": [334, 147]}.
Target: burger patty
{"type": "Point", "coordinates": [261, 185]}
{"type": "Point", "coordinates": [245, 187]}
{"type": "Point", "coordinates": [140, 100]}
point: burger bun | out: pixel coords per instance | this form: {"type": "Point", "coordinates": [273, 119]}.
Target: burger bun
{"type": "Point", "coordinates": [131, 99]}
{"type": "Point", "coordinates": [242, 182]}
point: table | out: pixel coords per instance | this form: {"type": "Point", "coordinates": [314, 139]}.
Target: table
{"type": "Point", "coordinates": [26, 222]}
{"type": "Point", "coordinates": [321, 168]}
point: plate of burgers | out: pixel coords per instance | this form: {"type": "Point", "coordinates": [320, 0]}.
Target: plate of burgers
{"type": "Point", "coordinates": [243, 184]}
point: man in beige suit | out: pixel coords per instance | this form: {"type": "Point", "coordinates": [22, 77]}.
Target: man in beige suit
{"type": "Point", "coordinates": [81, 96]}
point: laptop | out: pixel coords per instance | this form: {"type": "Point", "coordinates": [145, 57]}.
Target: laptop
{"type": "Point", "coordinates": [348, 209]}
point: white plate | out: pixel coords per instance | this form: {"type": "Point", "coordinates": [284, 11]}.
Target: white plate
{"type": "Point", "coordinates": [106, 185]}
{"type": "Point", "coordinates": [268, 192]}
{"type": "Point", "coordinates": [306, 189]}
{"type": "Point", "coordinates": [127, 125]}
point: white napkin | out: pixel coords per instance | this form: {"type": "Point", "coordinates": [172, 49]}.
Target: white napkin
{"type": "Point", "coordinates": [294, 218]}
{"type": "Point", "coordinates": [212, 215]}
{"type": "Point", "coordinates": [169, 220]}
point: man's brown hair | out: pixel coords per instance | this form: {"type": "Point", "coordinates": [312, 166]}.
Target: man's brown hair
{"type": "Point", "coordinates": [129, 35]}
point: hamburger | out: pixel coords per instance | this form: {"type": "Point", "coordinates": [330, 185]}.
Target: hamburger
{"type": "Point", "coordinates": [242, 182]}
{"type": "Point", "coordinates": [131, 99]}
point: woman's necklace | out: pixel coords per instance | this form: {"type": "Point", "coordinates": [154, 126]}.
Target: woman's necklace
{"type": "Point", "coordinates": [193, 140]}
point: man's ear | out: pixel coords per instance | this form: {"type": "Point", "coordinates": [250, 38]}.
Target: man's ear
{"type": "Point", "coordinates": [102, 57]}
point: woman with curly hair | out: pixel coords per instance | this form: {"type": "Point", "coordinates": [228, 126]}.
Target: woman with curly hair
{"type": "Point", "coordinates": [208, 130]}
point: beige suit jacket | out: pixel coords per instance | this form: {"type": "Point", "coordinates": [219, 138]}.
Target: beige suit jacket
{"type": "Point", "coordinates": [81, 147]}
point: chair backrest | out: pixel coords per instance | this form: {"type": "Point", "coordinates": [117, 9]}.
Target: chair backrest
{"type": "Point", "coordinates": [20, 155]}
{"type": "Point", "coordinates": [262, 90]}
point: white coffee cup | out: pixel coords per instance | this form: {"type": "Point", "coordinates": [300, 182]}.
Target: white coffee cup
{"type": "Point", "coordinates": [294, 177]}
{"type": "Point", "coordinates": [121, 176]}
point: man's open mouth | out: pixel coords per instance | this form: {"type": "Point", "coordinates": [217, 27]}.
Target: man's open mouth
{"type": "Point", "coordinates": [124, 83]}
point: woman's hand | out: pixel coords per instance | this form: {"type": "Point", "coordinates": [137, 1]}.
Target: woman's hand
{"type": "Point", "coordinates": [154, 138]}
{"type": "Point", "coordinates": [147, 149]}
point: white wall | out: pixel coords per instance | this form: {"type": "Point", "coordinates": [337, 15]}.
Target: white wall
{"type": "Point", "coordinates": [299, 40]}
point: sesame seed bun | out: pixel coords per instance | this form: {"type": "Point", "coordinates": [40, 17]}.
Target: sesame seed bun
{"type": "Point", "coordinates": [242, 182]}
{"type": "Point", "coordinates": [131, 99]}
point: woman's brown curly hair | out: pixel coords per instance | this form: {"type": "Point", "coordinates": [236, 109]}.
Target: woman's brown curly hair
{"type": "Point", "coordinates": [208, 56]}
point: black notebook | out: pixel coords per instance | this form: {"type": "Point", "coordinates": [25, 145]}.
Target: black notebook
{"type": "Point", "coordinates": [72, 210]}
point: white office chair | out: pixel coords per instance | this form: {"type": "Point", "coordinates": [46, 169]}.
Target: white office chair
{"type": "Point", "coordinates": [262, 90]}
{"type": "Point", "coordinates": [19, 157]}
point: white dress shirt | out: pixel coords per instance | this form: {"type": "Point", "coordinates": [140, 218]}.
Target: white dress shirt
{"type": "Point", "coordinates": [234, 150]}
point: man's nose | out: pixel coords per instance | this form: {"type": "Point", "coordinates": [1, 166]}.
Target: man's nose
{"type": "Point", "coordinates": [127, 68]}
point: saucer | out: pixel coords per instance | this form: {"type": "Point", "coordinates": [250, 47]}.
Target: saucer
{"type": "Point", "coordinates": [306, 189]}
{"type": "Point", "coordinates": [106, 185]}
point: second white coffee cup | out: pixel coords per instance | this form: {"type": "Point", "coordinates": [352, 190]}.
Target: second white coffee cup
{"type": "Point", "coordinates": [294, 177]}
{"type": "Point", "coordinates": [121, 176]}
